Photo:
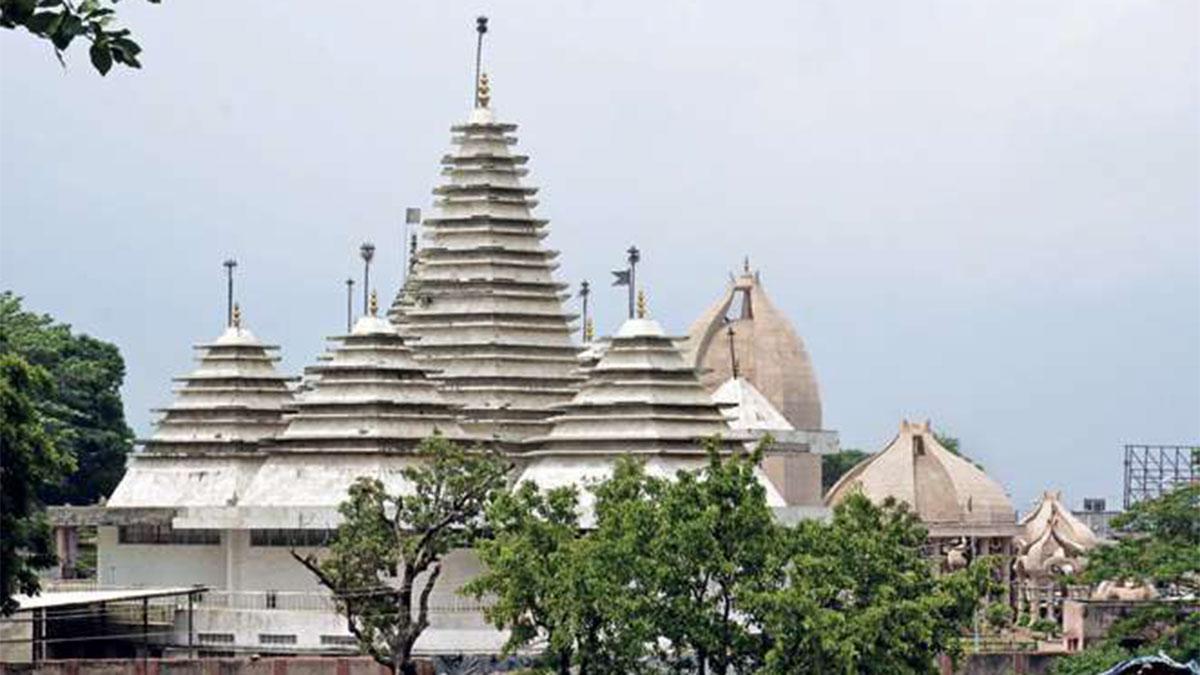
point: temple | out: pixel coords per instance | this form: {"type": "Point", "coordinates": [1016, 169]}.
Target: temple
{"type": "Point", "coordinates": [477, 346]}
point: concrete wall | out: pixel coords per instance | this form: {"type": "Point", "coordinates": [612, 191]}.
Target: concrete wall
{"type": "Point", "coordinates": [999, 664]}
{"type": "Point", "coordinates": [157, 564]}
{"type": "Point", "coordinates": [16, 627]}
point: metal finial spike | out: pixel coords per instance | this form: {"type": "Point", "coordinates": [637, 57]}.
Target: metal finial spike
{"type": "Point", "coordinates": [589, 331]}
{"type": "Point", "coordinates": [481, 27]}
{"type": "Point", "coordinates": [374, 303]}
{"type": "Point", "coordinates": [485, 91]}
{"type": "Point", "coordinates": [237, 316]}
{"type": "Point", "coordinates": [746, 264]}
{"type": "Point", "coordinates": [641, 304]}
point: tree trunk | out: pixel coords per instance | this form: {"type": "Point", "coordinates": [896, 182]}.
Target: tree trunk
{"type": "Point", "coordinates": [564, 662]}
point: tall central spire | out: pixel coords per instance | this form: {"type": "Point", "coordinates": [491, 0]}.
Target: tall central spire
{"type": "Point", "coordinates": [482, 303]}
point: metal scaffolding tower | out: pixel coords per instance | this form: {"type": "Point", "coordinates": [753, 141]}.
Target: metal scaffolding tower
{"type": "Point", "coordinates": [1151, 470]}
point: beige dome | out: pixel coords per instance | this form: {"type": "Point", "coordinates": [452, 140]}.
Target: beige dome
{"type": "Point", "coordinates": [767, 349]}
{"type": "Point", "coordinates": [948, 493]}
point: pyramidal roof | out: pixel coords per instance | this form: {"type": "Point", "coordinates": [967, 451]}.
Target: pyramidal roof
{"type": "Point", "coordinates": [232, 402]}
{"type": "Point", "coordinates": [948, 493]}
{"type": "Point", "coordinates": [643, 399]}
{"type": "Point", "coordinates": [369, 394]}
{"type": "Point", "coordinates": [769, 352]}
{"type": "Point", "coordinates": [1051, 518]}
{"type": "Point", "coordinates": [747, 408]}
{"type": "Point", "coordinates": [482, 299]}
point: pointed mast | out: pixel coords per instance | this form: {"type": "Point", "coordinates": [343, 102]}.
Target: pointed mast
{"type": "Point", "coordinates": [229, 265]}
{"type": "Point", "coordinates": [481, 26]}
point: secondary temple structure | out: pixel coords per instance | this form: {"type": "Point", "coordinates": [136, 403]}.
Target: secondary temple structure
{"type": "Point", "coordinates": [966, 513]}
{"type": "Point", "coordinates": [641, 399]}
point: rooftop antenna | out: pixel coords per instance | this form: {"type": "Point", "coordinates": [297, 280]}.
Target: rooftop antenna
{"type": "Point", "coordinates": [349, 304]}
{"type": "Point", "coordinates": [481, 26]}
{"type": "Point", "coordinates": [229, 265]}
{"type": "Point", "coordinates": [367, 251]}
{"type": "Point", "coordinates": [585, 289]}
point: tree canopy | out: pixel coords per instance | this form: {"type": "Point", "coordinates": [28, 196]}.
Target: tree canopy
{"type": "Point", "coordinates": [1160, 545]}
{"type": "Point", "coordinates": [385, 559]}
{"type": "Point", "coordinates": [694, 575]}
{"type": "Point", "coordinates": [29, 461]}
{"type": "Point", "coordinates": [81, 406]}
{"type": "Point", "coordinates": [60, 22]}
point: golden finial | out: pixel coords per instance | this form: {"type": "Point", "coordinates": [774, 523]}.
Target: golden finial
{"type": "Point", "coordinates": [589, 331]}
{"type": "Point", "coordinates": [485, 91]}
{"type": "Point", "coordinates": [374, 303]}
{"type": "Point", "coordinates": [641, 304]}
{"type": "Point", "coordinates": [237, 315]}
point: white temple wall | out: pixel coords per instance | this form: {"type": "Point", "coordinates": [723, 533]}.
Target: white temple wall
{"type": "Point", "coordinates": [145, 565]}
{"type": "Point", "coordinates": [272, 568]}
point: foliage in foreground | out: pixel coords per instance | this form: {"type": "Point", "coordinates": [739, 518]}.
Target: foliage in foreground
{"type": "Point", "coordinates": [1161, 548]}
{"type": "Point", "coordinates": [692, 575]}
{"type": "Point", "coordinates": [60, 22]}
{"type": "Point", "coordinates": [81, 404]}
{"type": "Point", "coordinates": [385, 559]}
{"type": "Point", "coordinates": [30, 460]}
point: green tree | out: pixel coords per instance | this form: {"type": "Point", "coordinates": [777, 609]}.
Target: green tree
{"type": "Point", "coordinates": [385, 559]}
{"type": "Point", "coordinates": [834, 466]}
{"type": "Point", "coordinates": [583, 595]}
{"type": "Point", "coordinates": [1160, 547]}
{"type": "Point", "coordinates": [29, 460]}
{"type": "Point", "coordinates": [713, 547]}
{"type": "Point", "coordinates": [82, 409]}
{"type": "Point", "coordinates": [861, 598]}
{"type": "Point", "coordinates": [60, 22]}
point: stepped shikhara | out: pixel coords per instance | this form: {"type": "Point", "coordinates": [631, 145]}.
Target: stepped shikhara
{"type": "Point", "coordinates": [482, 300]}
{"type": "Point", "coordinates": [232, 401]}
{"type": "Point", "coordinates": [641, 399]}
{"type": "Point", "coordinates": [215, 431]}
{"type": "Point", "coordinates": [369, 405]}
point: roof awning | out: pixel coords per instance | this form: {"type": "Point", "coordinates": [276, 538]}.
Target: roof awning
{"type": "Point", "coordinates": [55, 600]}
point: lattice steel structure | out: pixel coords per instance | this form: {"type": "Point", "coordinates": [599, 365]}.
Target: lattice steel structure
{"type": "Point", "coordinates": [1151, 470]}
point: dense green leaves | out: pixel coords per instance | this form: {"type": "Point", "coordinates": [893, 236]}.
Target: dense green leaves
{"type": "Point", "coordinates": [693, 575]}
{"type": "Point", "coordinates": [861, 598]}
{"type": "Point", "coordinates": [60, 22]}
{"type": "Point", "coordinates": [834, 466]}
{"type": "Point", "coordinates": [1160, 546]}
{"type": "Point", "coordinates": [81, 408]}
{"type": "Point", "coordinates": [386, 558]}
{"type": "Point", "coordinates": [29, 460]}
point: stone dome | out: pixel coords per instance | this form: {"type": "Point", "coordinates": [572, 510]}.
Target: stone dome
{"type": "Point", "coordinates": [768, 351]}
{"type": "Point", "coordinates": [949, 494]}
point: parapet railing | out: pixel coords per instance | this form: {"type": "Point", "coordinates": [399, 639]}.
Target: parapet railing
{"type": "Point", "coordinates": [304, 601]}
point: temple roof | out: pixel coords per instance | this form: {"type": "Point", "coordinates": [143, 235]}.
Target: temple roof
{"type": "Point", "coordinates": [947, 492]}
{"type": "Point", "coordinates": [232, 402]}
{"type": "Point", "coordinates": [368, 394]}
{"type": "Point", "coordinates": [482, 299]}
{"type": "Point", "coordinates": [768, 351]}
{"type": "Point", "coordinates": [1051, 518]}
{"type": "Point", "coordinates": [642, 398]}
{"type": "Point", "coordinates": [747, 408]}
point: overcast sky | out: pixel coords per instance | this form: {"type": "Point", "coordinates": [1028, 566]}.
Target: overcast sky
{"type": "Point", "coordinates": [982, 212]}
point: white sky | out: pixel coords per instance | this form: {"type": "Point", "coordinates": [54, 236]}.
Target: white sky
{"type": "Point", "coordinates": [981, 212]}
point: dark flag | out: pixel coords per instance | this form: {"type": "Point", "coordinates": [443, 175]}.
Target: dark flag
{"type": "Point", "coordinates": [622, 277]}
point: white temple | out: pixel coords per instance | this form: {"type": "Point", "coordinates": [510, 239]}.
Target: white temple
{"type": "Point", "coordinates": [477, 347]}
